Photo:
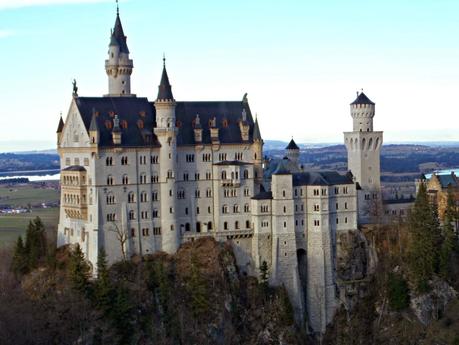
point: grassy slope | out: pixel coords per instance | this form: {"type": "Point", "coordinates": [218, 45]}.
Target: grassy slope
{"type": "Point", "coordinates": [11, 226]}
{"type": "Point", "coordinates": [28, 194]}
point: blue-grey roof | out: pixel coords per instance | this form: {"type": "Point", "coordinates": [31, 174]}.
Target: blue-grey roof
{"type": "Point", "coordinates": [362, 99]}
{"type": "Point", "coordinates": [118, 36]}
{"type": "Point", "coordinates": [263, 195]}
{"type": "Point", "coordinates": [75, 168]}
{"type": "Point", "coordinates": [446, 180]}
{"type": "Point", "coordinates": [282, 168]}
{"type": "Point", "coordinates": [320, 178]}
{"type": "Point", "coordinates": [138, 112]}
{"type": "Point", "coordinates": [60, 126]}
{"type": "Point", "coordinates": [240, 163]}
{"type": "Point", "coordinates": [256, 131]}
{"type": "Point", "coordinates": [165, 88]}
{"type": "Point", "coordinates": [292, 145]}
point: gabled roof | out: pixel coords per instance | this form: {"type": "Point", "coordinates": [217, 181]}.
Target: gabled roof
{"type": "Point", "coordinates": [138, 110]}
{"type": "Point", "coordinates": [60, 126]}
{"type": "Point", "coordinates": [118, 36]}
{"type": "Point", "coordinates": [164, 88]}
{"type": "Point", "coordinates": [292, 145]}
{"type": "Point", "coordinates": [362, 99]}
{"type": "Point", "coordinates": [320, 178]}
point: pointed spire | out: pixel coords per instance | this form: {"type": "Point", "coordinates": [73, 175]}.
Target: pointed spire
{"type": "Point", "coordinates": [61, 125]}
{"type": "Point", "coordinates": [362, 99]}
{"type": "Point", "coordinates": [93, 125]}
{"type": "Point", "coordinates": [118, 33]}
{"type": "Point", "coordinates": [165, 89]}
{"type": "Point", "coordinates": [292, 145]}
{"type": "Point", "coordinates": [256, 130]}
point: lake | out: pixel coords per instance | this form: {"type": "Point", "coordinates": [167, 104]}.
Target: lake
{"type": "Point", "coordinates": [32, 175]}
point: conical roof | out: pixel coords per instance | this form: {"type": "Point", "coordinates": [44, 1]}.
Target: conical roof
{"type": "Point", "coordinates": [165, 88]}
{"type": "Point", "coordinates": [60, 126]}
{"type": "Point", "coordinates": [118, 36]}
{"type": "Point", "coordinates": [292, 145]}
{"type": "Point", "coordinates": [362, 99]}
{"type": "Point", "coordinates": [256, 131]}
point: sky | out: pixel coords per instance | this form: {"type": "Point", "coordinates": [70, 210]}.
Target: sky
{"type": "Point", "coordinates": [301, 62]}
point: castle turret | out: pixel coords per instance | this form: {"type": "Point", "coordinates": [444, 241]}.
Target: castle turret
{"type": "Point", "coordinates": [257, 155]}
{"type": "Point", "coordinates": [94, 130]}
{"type": "Point", "coordinates": [293, 152]}
{"type": "Point", "coordinates": [363, 153]}
{"type": "Point", "coordinates": [166, 133]}
{"type": "Point", "coordinates": [60, 127]}
{"type": "Point", "coordinates": [118, 66]}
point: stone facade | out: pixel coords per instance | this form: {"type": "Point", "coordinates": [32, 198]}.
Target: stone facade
{"type": "Point", "coordinates": [140, 177]}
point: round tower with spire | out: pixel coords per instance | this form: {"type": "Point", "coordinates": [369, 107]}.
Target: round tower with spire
{"type": "Point", "coordinates": [118, 66]}
{"type": "Point", "coordinates": [293, 152]}
{"type": "Point", "coordinates": [363, 158]}
{"type": "Point", "coordinates": [166, 133]}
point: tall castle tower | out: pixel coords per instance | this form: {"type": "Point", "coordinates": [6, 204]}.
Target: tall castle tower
{"type": "Point", "coordinates": [118, 65]}
{"type": "Point", "coordinates": [363, 156]}
{"type": "Point", "coordinates": [166, 132]}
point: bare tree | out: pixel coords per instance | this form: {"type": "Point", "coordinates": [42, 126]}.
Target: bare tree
{"type": "Point", "coordinates": [122, 238]}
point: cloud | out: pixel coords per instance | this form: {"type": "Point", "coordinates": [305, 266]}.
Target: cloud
{"type": "Point", "coordinates": [7, 4]}
{"type": "Point", "coordinates": [6, 33]}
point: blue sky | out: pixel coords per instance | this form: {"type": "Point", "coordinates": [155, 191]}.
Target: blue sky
{"type": "Point", "coordinates": [300, 62]}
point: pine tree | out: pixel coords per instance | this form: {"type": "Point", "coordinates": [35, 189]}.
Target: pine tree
{"type": "Point", "coordinates": [35, 244]}
{"type": "Point", "coordinates": [449, 238]}
{"type": "Point", "coordinates": [423, 227]}
{"type": "Point", "coordinates": [20, 263]}
{"type": "Point", "coordinates": [102, 288]}
{"type": "Point", "coordinates": [79, 271]}
{"type": "Point", "coordinates": [264, 278]}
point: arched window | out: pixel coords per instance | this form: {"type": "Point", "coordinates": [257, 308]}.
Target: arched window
{"type": "Point", "coordinates": [246, 174]}
{"type": "Point", "coordinates": [110, 180]}
{"type": "Point", "coordinates": [198, 226]}
{"type": "Point", "coordinates": [131, 197]}
{"type": "Point", "coordinates": [236, 225]}
{"type": "Point", "coordinates": [125, 179]}
{"type": "Point", "coordinates": [131, 215]}
{"type": "Point", "coordinates": [209, 226]}
{"type": "Point", "coordinates": [223, 175]}
{"type": "Point", "coordinates": [225, 225]}
{"type": "Point", "coordinates": [246, 208]}
{"type": "Point", "coordinates": [187, 227]}
{"type": "Point", "coordinates": [247, 224]}
{"type": "Point", "coordinates": [110, 199]}
{"type": "Point", "coordinates": [225, 209]}
{"type": "Point", "coordinates": [143, 197]}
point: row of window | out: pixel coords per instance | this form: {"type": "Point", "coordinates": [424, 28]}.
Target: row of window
{"type": "Point", "coordinates": [74, 199]}
{"type": "Point", "coordinates": [76, 161]}
{"type": "Point", "coordinates": [236, 209]}
{"type": "Point", "coordinates": [73, 180]}
{"type": "Point", "coordinates": [109, 161]}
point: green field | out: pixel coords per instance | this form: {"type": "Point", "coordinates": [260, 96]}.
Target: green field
{"type": "Point", "coordinates": [12, 226]}
{"type": "Point", "coordinates": [28, 194]}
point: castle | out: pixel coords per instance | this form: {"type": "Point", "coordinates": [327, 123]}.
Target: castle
{"type": "Point", "coordinates": [138, 177]}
